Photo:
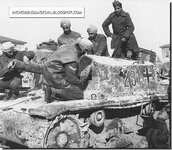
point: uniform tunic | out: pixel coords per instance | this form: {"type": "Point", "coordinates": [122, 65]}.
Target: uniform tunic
{"type": "Point", "coordinates": [60, 73]}
{"type": "Point", "coordinates": [122, 26]}
{"type": "Point", "coordinates": [68, 38]}
{"type": "Point", "coordinates": [10, 79]}
{"type": "Point", "coordinates": [100, 45]}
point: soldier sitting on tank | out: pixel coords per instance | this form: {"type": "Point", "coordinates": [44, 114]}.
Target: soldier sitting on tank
{"type": "Point", "coordinates": [99, 41]}
{"type": "Point", "coordinates": [60, 77]}
{"type": "Point", "coordinates": [10, 81]}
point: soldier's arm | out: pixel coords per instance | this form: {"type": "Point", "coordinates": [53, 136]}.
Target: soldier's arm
{"type": "Point", "coordinates": [59, 43]}
{"type": "Point", "coordinates": [35, 68]}
{"type": "Point", "coordinates": [105, 26]}
{"type": "Point", "coordinates": [29, 67]}
{"type": "Point", "coordinates": [71, 77]}
{"type": "Point", "coordinates": [3, 71]}
{"type": "Point", "coordinates": [130, 27]}
{"type": "Point", "coordinates": [3, 67]}
{"type": "Point", "coordinates": [102, 45]}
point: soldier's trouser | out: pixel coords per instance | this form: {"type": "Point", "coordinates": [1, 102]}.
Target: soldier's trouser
{"type": "Point", "coordinates": [135, 56]}
{"type": "Point", "coordinates": [71, 92]}
{"type": "Point", "coordinates": [118, 54]}
{"type": "Point", "coordinates": [12, 84]}
{"type": "Point", "coordinates": [120, 49]}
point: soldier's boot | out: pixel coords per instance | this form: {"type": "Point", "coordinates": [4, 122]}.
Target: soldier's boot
{"type": "Point", "coordinates": [48, 93]}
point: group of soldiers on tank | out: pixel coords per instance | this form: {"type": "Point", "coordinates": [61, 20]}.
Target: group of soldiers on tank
{"type": "Point", "coordinates": [61, 79]}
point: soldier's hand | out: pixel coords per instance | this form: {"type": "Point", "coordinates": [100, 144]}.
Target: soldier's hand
{"type": "Point", "coordinates": [11, 64]}
{"type": "Point", "coordinates": [85, 72]}
{"type": "Point", "coordinates": [123, 39]}
{"type": "Point", "coordinates": [26, 60]}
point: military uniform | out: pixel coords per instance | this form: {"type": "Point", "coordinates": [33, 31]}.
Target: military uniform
{"type": "Point", "coordinates": [99, 45]}
{"type": "Point", "coordinates": [156, 133]}
{"type": "Point", "coordinates": [68, 38]}
{"type": "Point", "coordinates": [60, 75]}
{"type": "Point", "coordinates": [11, 78]}
{"type": "Point", "coordinates": [122, 26]}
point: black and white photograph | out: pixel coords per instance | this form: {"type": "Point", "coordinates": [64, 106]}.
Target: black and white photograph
{"type": "Point", "coordinates": [85, 74]}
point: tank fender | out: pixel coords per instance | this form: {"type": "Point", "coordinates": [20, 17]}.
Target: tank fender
{"type": "Point", "coordinates": [48, 111]}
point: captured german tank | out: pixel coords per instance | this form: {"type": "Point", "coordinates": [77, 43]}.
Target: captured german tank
{"type": "Point", "coordinates": [116, 89]}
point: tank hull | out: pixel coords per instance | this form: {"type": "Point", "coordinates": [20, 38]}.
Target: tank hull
{"type": "Point", "coordinates": [115, 85]}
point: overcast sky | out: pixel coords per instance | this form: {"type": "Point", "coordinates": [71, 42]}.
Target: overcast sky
{"type": "Point", "coordinates": [150, 17]}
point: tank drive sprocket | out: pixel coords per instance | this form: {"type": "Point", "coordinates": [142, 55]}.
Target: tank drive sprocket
{"type": "Point", "coordinates": [66, 133]}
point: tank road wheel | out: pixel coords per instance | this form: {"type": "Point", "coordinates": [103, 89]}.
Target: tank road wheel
{"type": "Point", "coordinates": [66, 133]}
{"type": "Point", "coordinates": [97, 118]}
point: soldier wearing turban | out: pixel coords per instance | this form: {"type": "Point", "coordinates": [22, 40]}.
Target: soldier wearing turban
{"type": "Point", "coordinates": [123, 39]}
{"type": "Point", "coordinates": [65, 23]}
{"type": "Point", "coordinates": [92, 29]}
{"type": "Point", "coordinates": [60, 71]}
{"type": "Point", "coordinates": [68, 36]}
{"type": "Point", "coordinates": [84, 44]}
{"type": "Point", "coordinates": [10, 81]}
{"type": "Point", "coordinates": [99, 42]}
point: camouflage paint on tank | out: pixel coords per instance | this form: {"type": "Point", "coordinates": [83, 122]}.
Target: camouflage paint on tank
{"type": "Point", "coordinates": [137, 79]}
{"type": "Point", "coordinates": [119, 83]}
{"type": "Point", "coordinates": [23, 129]}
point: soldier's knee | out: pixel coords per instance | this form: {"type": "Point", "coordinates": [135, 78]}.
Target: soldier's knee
{"type": "Point", "coordinates": [15, 84]}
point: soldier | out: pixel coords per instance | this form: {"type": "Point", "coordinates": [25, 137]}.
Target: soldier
{"type": "Point", "coordinates": [156, 131]}
{"type": "Point", "coordinates": [10, 78]}
{"type": "Point", "coordinates": [60, 72]}
{"type": "Point", "coordinates": [123, 40]}
{"type": "Point", "coordinates": [68, 36]}
{"type": "Point", "coordinates": [99, 42]}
